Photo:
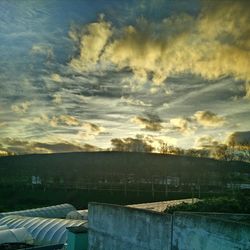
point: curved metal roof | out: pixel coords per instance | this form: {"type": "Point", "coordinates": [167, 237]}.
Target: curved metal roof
{"type": "Point", "coordinates": [4, 227]}
{"type": "Point", "coordinates": [78, 215]}
{"type": "Point", "coordinates": [17, 235]}
{"type": "Point", "coordinates": [43, 230]}
{"type": "Point", "coordinates": [58, 211]}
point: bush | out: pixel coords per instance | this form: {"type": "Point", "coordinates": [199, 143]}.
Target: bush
{"type": "Point", "coordinates": [235, 204]}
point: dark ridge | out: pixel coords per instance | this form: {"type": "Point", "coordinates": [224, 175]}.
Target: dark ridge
{"type": "Point", "coordinates": [92, 163]}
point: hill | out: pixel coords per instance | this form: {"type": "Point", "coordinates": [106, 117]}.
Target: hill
{"type": "Point", "coordinates": [29, 181]}
{"type": "Point", "coordinates": [87, 165]}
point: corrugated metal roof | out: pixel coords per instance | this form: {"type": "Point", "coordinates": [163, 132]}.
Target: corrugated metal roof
{"type": "Point", "coordinates": [78, 215]}
{"type": "Point", "coordinates": [58, 211]}
{"type": "Point", "coordinates": [4, 227]}
{"type": "Point", "coordinates": [17, 235]}
{"type": "Point", "coordinates": [43, 230]}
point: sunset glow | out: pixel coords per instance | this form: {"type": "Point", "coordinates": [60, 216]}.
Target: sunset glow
{"type": "Point", "coordinates": [92, 75]}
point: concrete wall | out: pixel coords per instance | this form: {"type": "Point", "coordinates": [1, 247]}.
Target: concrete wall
{"type": "Point", "coordinates": [193, 231]}
{"type": "Point", "coordinates": [114, 227]}
{"type": "Point", "coordinates": [244, 218]}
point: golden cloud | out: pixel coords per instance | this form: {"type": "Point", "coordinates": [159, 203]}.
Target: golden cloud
{"type": "Point", "coordinates": [131, 145]}
{"type": "Point", "coordinates": [69, 120]}
{"type": "Point", "coordinates": [57, 98]}
{"type": "Point", "coordinates": [148, 124]}
{"type": "Point", "coordinates": [4, 151]}
{"type": "Point", "coordinates": [206, 142]}
{"type": "Point", "coordinates": [91, 127]}
{"type": "Point", "coordinates": [92, 41]}
{"type": "Point", "coordinates": [55, 121]}
{"type": "Point", "coordinates": [209, 119]}
{"type": "Point", "coordinates": [214, 44]}
{"type": "Point", "coordinates": [183, 125]}
{"type": "Point", "coordinates": [56, 77]}
{"type": "Point", "coordinates": [21, 108]}
{"type": "Point", "coordinates": [3, 124]}
{"type": "Point", "coordinates": [248, 90]}
{"type": "Point", "coordinates": [90, 130]}
{"type": "Point", "coordinates": [16, 146]}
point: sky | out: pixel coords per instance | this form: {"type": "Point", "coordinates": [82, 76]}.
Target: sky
{"type": "Point", "coordinates": [84, 75]}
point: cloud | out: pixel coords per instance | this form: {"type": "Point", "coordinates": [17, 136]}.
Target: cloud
{"type": "Point", "coordinates": [16, 146]}
{"type": "Point", "coordinates": [131, 145]}
{"type": "Point", "coordinates": [183, 125]}
{"type": "Point", "coordinates": [90, 130]}
{"type": "Point", "coordinates": [65, 147]}
{"type": "Point", "coordinates": [56, 77]}
{"type": "Point", "coordinates": [68, 120]}
{"type": "Point", "coordinates": [4, 151]}
{"type": "Point", "coordinates": [209, 119]}
{"type": "Point", "coordinates": [151, 124]}
{"type": "Point", "coordinates": [91, 40]}
{"type": "Point", "coordinates": [188, 125]}
{"type": "Point", "coordinates": [134, 102]}
{"type": "Point", "coordinates": [213, 44]}
{"type": "Point", "coordinates": [157, 142]}
{"type": "Point", "coordinates": [3, 124]}
{"type": "Point", "coordinates": [46, 120]}
{"type": "Point", "coordinates": [43, 49]}
{"type": "Point", "coordinates": [239, 139]}
{"type": "Point", "coordinates": [57, 98]}
{"type": "Point", "coordinates": [55, 121]}
{"type": "Point", "coordinates": [21, 108]}
{"type": "Point", "coordinates": [206, 142]}
{"type": "Point", "coordinates": [248, 90]}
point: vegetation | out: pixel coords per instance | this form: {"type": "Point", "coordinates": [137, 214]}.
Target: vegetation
{"type": "Point", "coordinates": [20, 197]}
{"type": "Point", "coordinates": [114, 177]}
{"type": "Point", "coordinates": [225, 204]}
{"type": "Point", "coordinates": [217, 151]}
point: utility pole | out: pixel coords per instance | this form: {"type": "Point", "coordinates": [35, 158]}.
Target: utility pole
{"type": "Point", "coordinates": [166, 188]}
{"type": "Point", "coordinates": [153, 191]}
{"type": "Point", "coordinates": [125, 185]}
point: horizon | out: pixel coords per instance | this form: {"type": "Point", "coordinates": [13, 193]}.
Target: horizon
{"type": "Point", "coordinates": [131, 152]}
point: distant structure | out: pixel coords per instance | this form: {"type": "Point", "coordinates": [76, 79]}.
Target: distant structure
{"type": "Point", "coordinates": [58, 211]}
